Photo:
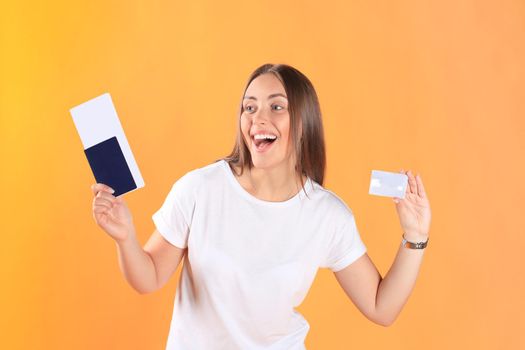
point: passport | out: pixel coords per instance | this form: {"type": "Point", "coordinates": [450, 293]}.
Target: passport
{"type": "Point", "coordinates": [109, 166]}
{"type": "Point", "coordinates": [106, 146]}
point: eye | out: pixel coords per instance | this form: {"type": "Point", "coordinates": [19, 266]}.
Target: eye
{"type": "Point", "coordinates": [248, 108]}
{"type": "Point", "coordinates": [278, 108]}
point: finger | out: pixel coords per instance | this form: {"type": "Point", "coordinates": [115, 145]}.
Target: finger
{"type": "Point", "coordinates": [412, 182]}
{"type": "Point", "coordinates": [420, 188]}
{"type": "Point", "coordinates": [104, 194]}
{"type": "Point", "coordinates": [101, 187]}
{"type": "Point", "coordinates": [103, 206]}
{"type": "Point", "coordinates": [100, 210]}
{"type": "Point", "coordinates": [407, 190]}
{"type": "Point", "coordinates": [95, 188]}
{"type": "Point", "coordinates": [103, 202]}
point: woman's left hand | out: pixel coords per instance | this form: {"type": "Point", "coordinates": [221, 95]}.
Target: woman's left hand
{"type": "Point", "coordinates": [414, 209]}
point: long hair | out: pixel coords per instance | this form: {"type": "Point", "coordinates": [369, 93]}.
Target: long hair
{"type": "Point", "coordinates": [303, 108]}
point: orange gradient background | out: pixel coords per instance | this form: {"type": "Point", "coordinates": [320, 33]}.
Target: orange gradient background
{"type": "Point", "coordinates": [433, 86]}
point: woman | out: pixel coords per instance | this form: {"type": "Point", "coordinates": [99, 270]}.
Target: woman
{"type": "Point", "coordinates": [253, 228]}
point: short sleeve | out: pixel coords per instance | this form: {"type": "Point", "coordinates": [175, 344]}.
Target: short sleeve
{"type": "Point", "coordinates": [173, 219]}
{"type": "Point", "coordinates": [345, 246]}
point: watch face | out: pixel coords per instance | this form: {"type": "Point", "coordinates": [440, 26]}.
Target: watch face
{"type": "Point", "coordinates": [418, 245]}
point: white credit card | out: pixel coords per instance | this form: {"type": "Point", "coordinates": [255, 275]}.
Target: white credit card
{"type": "Point", "coordinates": [384, 183]}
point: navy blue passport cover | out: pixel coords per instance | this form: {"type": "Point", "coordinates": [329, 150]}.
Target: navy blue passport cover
{"type": "Point", "coordinates": [109, 166]}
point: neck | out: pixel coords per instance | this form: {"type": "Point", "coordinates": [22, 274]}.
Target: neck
{"type": "Point", "coordinates": [275, 184]}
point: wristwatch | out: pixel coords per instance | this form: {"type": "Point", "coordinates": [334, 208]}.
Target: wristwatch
{"type": "Point", "coordinates": [417, 245]}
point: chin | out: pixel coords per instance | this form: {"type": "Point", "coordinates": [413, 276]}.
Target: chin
{"type": "Point", "coordinates": [263, 162]}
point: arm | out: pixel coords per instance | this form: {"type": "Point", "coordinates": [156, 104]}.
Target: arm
{"type": "Point", "coordinates": [396, 287]}
{"type": "Point", "coordinates": [148, 269]}
{"type": "Point", "coordinates": [381, 299]}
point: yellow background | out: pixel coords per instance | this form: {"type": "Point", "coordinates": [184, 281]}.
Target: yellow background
{"type": "Point", "coordinates": [433, 86]}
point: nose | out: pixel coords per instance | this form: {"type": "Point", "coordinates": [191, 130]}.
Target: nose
{"type": "Point", "coordinates": [260, 116]}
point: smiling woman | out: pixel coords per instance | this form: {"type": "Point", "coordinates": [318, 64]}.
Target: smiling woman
{"type": "Point", "coordinates": [279, 102]}
{"type": "Point", "coordinates": [254, 227]}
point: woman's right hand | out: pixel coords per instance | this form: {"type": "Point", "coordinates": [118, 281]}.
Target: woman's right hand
{"type": "Point", "coordinates": [111, 213]}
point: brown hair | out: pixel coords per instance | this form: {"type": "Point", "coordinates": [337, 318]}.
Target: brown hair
{"type": "Point", "coordinates": [304, 110]}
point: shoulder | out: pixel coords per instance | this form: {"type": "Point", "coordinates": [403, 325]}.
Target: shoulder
{"type": "Point", "coordinates": [199, 177]}
{"type": "Point", "coordinates": [204, 172]}
{"type": "Point", "coordinates": [338, 208]}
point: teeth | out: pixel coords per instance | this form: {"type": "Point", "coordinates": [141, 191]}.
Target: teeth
{"type": "Point", "coordinates": [264, 136]}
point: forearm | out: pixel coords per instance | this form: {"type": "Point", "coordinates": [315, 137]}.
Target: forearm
{"type": "Point", "coordinates": [395, 288]}
{"type": "Point", "coordinates": [136, 265]}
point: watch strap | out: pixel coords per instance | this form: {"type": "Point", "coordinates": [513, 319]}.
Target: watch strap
{"type": "Point", "coordinates": [414, 245]}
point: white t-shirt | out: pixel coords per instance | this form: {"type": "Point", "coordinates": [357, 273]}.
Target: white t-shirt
{"type": "Point", "coordinates": [250, 262]}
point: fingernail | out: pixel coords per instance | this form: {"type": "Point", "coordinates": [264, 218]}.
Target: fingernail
{"type": "Point", "coordinates": [112, 190]}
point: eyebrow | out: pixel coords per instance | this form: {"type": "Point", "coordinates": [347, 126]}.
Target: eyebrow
{"type": "Point", "coordinates": [269, 96]}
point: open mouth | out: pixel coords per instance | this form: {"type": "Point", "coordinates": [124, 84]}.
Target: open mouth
{"type": "Point", "coordinates": [263, 144]}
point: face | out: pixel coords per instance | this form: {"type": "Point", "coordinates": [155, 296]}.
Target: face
{"type": "Point", "coordinates": [265, 122]}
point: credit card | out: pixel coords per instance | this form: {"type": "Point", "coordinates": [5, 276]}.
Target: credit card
{"type": "Point", "coordinates": [384, 183]}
